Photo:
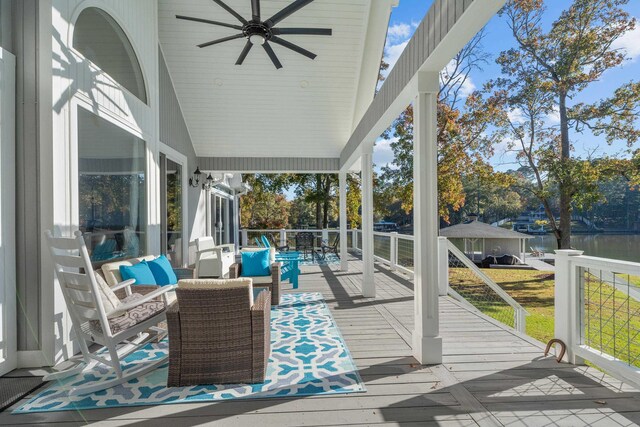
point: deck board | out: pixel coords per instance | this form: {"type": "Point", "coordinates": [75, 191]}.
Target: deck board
{"type": "Point", "coordinates": [491, 375]}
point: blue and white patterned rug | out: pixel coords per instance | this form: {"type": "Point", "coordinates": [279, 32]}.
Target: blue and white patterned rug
{"type": "Point", "coordinates": [308, 357]}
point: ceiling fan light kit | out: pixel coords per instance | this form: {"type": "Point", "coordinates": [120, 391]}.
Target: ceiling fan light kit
{"type": "Point", "coordinates": [261, 33]}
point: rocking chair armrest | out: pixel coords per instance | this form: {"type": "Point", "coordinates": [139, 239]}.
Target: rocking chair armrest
{"type": "Point", "coordinates": [205, 251]}
{"type": "Point", "coordinates": [145, 298]}
{"type": "Point", "coordinates": [230, 246]}
{"type": "Point", "coordinates": [123, 284]}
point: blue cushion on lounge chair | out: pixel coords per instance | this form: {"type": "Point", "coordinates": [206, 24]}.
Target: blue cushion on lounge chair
{"type": "Point", "coordinates": [255, 264]}
{"type": "Point", "coordinates": [162, 271]}
{"type": "Point", "coordinates": [141, 273]}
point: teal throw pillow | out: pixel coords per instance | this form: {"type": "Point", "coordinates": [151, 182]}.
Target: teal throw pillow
{"type": "Point", "coordinates": [141, 273]}
{"type": "Point", "coordinates": [255, 264]}
{"type": "Point", "coordinates": [162, 271]}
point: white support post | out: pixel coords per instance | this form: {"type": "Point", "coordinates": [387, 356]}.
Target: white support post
{"type": "Point", "coordinates": [344, 261]}
{"type": "Point", "coordinates": [354, 238]}
{"type": "Point", "coordinates": [225, 221]}
{"type": "Point", "coordinates": [368, 284]}
{"type": "Point", "coordinates": [443, 266]}
{"type": "Point", "coordinates": [283, 237]}
{"type": "Point", "coordinates": [427, 343]}
{"type": "Point", "coordinates": [393, 250]}
{"type": "Point", "coordinates": [567, 308]}
{"type": "Point", "coordinates": [236, 222]}
{"type": "Point", "coordinates": [245, 238]}
{"type": "Point", "coordinates": [325, 235]}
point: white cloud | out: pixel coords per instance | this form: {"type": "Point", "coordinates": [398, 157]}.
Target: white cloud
{"type": "Point", "coordinates": [516, 116]}
{"type": "Point", "coordinates": [398, 36]}
{"type": "Point", "coordinates": [399, 31]}
{"type": "Point", "coordinates": [554, 117]}
{"type": "Point", "coordinates": [382, 153]}
{"type": "Point", "coordinates": [466, 84]}
{"type": "Point", "coordinates": [392, 54]}
{"type": "Point", "coordinates": [630, 42]}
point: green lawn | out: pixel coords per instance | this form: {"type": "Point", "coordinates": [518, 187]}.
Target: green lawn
{"type": "Point", "coordinates": [606, 309]}
{"type": "Point", "coordinates": [534, 290]}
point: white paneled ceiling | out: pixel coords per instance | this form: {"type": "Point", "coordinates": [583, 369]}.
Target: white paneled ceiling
{"type": "Point", "coordinates": [305, 109]}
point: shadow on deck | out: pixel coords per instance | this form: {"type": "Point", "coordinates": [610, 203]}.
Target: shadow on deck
{"type": "Point", "coordinates": [491, 375]}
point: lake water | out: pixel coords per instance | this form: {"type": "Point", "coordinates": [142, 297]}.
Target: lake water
{"type": "Point", "coordinates": [624, 247]}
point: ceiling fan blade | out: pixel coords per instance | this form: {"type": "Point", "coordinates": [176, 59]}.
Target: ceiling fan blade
{"type": "Point", "coordinates": [255, 10]}
{"type": "Point", "coordinates": [304, 31]}
{"type": "Point", "coordinates": [231, 11]}
{"type": "Point", "coordinates": [293, 47]}
{"type": "Point", "coordinates": [207, 21]}
{"type": "Point", "coordinates": [224, 39]}
{"type": "Point", "coordinates": [292, 8]}
{"type": "Point", "coordinates": [244, 53]}
{"type": "Point", "coordinates": [272, 55]}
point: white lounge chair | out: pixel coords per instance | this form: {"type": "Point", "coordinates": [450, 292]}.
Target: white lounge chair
{"type": "Point", "coordinates": [212, 260]}
{"type": "Point", "coordinates": [98, 316]}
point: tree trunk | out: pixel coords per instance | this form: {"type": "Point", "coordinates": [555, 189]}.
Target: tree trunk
{"type": "Point", "coordinates": [564, 239]}
{"type": "Point", "coordinates": [318, 201]}
{"type": "Point", "coordinates": [325, 204]}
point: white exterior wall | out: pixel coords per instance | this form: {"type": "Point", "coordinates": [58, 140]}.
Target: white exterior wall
{"type": "Point", "coordinates": [78, 83]}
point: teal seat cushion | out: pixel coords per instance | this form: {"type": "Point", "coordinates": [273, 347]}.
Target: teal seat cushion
{"type": "Point", "coordinates": [255, 264]}
{"type": "Point", "coordinates": [162, 271]}
{"type": "Point", "coordinates": [141, 273]}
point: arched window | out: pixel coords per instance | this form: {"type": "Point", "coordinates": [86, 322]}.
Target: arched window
{"type": "Point", "coordinates": [101, 40]}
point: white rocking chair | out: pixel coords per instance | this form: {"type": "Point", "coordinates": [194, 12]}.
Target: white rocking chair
{"type": "Point", "coordinates": [98, 316]}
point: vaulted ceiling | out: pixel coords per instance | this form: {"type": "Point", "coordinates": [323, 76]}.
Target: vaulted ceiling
{"type": "Point", "coordinates": [306, 109]}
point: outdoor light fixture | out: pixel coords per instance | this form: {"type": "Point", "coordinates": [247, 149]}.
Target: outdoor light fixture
{"type": "Point", "coordinates": [257, 39]}
{"type": "Point", "coordinates": [209, 183]}
{"type": "Point", "coordinates": [194, 181]}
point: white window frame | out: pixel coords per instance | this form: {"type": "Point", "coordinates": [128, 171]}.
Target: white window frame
{"type": "Point", "coordinates": [179, 158]}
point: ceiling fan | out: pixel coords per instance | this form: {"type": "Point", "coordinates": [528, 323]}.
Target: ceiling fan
{"type": "Point", "coordinates": [259, 32]}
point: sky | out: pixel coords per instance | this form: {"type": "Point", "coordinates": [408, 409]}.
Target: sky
{"type": "Point", "coordinates": [406, 16]}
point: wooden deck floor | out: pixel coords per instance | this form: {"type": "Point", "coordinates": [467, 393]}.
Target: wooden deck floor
{"type": "Point", "coordinates": [490, 375]}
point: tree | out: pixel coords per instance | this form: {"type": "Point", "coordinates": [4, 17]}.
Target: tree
{"type": "Point", "coordinates": [542, 75]}
{"type": "Point", "coordinates": [263, 207]}
{"type": "Point", "coordinates": [354, 200]}
{"type": "Point", "coordinates": [264, 210]}
{"type": "Point", "coordinates": [463, 136]}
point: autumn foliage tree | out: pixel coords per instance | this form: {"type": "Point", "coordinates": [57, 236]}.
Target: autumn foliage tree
{"type": "Point", "coordinates": [463, 137]}
{"type": "Point", "coordinates": [544, 76]}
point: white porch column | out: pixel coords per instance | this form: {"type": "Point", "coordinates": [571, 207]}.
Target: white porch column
{"type": "Point", "coordinates": [344, 262]}
{"type": "Point", "coordinates": [567, 310]}
{"type": "Point", "coordinates": [225, 220]}
{"type": "Point", "coordinates": [443, 270]}
{"type": "Point", "coordinates": [235, 222]}
{"type": "Point", "coordinates": [368, 284]}
{"type": "Point", "coordinates": [427, 343]}
{"type": "Point", "coordinates": [209, 213]}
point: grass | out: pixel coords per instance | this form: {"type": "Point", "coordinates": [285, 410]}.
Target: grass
{"type": "Point", "coordinates": [534, 290]}
{"type": "Point", "coordinates": [612, 320]}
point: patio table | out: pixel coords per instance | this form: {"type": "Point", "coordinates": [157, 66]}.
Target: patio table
{"type": "Point", "coordinates": [290, 266]}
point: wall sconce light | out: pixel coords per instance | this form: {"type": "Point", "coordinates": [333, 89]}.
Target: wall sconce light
{"type": "Point", "coordinates": [194, 181]}
{"type": "Point", "coordinates": [198, 179]}
{"type": "Point", "coordinates": [209, 183]}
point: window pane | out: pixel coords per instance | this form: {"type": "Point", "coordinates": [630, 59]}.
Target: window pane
{"type": "Point", "coordinates": [101, 40]}
{"type": "Point", "coordinates": [112, 189]}
{"type": "Point", "coordinates": [174, 212]}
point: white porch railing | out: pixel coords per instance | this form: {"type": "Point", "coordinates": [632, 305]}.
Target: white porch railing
{"type": "Point", "coordinates": [460, 277]}
{"type": "Point", "coordinates": [597, 308]}
{"type": "Point", "coordinates": [284, 236]}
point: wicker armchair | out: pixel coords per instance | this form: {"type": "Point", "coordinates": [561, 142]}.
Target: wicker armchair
{"type": "Point", "coordinates": [218, 334]}
{"type": "Point", "coordinates": [271, 282]}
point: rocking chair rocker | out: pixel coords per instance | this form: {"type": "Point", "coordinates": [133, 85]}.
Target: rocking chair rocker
{"type": "Point", "coordinates": [99, 316]}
